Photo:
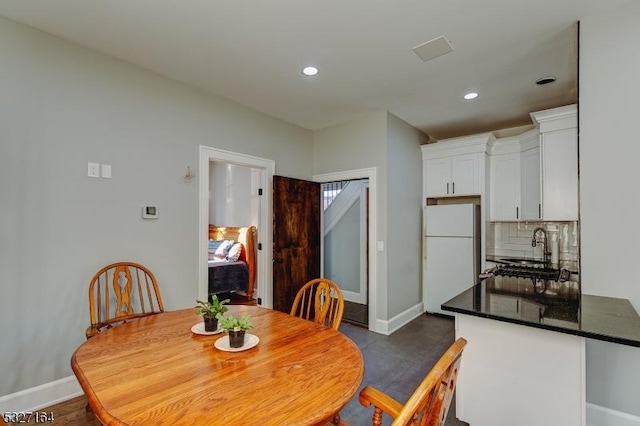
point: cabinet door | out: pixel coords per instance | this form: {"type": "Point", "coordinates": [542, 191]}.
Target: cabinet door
{"type": "Point", "coordinates": [464, 175]}
{"type": "Point", "coordinates": [559, 151]}
{"type": "Point", "coordinates": [530, 185]}
{"type": "Point", "coordinates": [437, 174]}
{"type": "Point", "coordinates": [505, 187]}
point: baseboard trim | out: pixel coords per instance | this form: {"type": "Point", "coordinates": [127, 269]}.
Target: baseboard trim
{"type": "Point", "coordinates": [602, 416]}
{"type": "Point", "coordinates": [395, 323]}
{"type": "Point", "coordinates": [41, 396]}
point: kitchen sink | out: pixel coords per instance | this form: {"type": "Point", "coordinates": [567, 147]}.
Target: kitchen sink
{"type": "Point", "coordinates": [522, 261]}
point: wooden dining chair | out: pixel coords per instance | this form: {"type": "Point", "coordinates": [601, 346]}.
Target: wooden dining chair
{"type": "Point", "coordinates": [120, 292]}
{"type": "Point", "coordinates": [319, 300]}
{"type": "Point", "coordinates": [429, 403]}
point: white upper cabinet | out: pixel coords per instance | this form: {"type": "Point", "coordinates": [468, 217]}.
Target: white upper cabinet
{"type": "Point", "coordinates": [559, 162]}
{"type": "Point", "coordinates": [452, 176]}
{"type": "Point", "coordinates": [531, 208]}
{"type": "Point", "coordinates": [504, 171]}
{"type": "Point", "coordinates": [515, 178]}
{"type": "Point", "coordinates": [559, 151]}
{"type": "Point", "coordinates": [437, 177]}
{"type": "Point", "coordinates": [534, 176]}
{"type": "Point", "coordinates": [465, 174]}
{"type": "Point", "coordinates": [455, 167]}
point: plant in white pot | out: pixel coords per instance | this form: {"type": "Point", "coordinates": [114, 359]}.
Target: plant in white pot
{"type": "Point", "coordinates": [236, 326]}
{"type": "Point", "coordinates": [211, 311]}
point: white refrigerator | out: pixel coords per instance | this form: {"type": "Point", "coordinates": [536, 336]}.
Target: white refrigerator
{"type": "Point", "coordinates": [452, 251]}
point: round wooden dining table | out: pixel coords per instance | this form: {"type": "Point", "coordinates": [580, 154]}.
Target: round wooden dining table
{"type": "Point", "coordinates": [155, 370]}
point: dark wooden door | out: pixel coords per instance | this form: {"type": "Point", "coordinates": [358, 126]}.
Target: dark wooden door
{"type": "Point", "coordinates": [296, 237]}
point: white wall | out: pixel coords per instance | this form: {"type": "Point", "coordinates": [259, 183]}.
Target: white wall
{"type": "Point", "coordinates": [609, 205]}
{"type": "Point", "coordinates": [404, 215]}
{"type": "Point", "coordinates": [384, 141]}
{"type": "Point", "coordinates": [61, 106]}
{"type": "Point", "coordinates": [233, 195]}
{"type": "Point", "coordinates": [359, 144]}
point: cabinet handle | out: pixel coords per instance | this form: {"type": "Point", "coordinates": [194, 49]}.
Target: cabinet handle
{"type": "Point", "coordinates": [447, 188]}
{"type": "Point", "coordinates": [453, 185]}
{"type": "Point", "coordinates": [517, 212]}
{"type": "Point", "coordinates": [539, 211]}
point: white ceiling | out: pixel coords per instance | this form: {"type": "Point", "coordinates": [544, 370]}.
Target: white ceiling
{"type": "Point", "coordinates": [252, 51]}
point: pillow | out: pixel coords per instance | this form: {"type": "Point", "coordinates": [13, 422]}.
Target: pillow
{"type": "Point", "coordinates": [234, 252]}
{"type": "Point", "coordinates": [223, 248]}
{"type": "Point", "coordinates": [214, 244]}
{"type": "Point", "coordinates": [212, 256]}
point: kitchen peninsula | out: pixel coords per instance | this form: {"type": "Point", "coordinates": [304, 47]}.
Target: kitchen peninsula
{"type": "Point", "coordinates": [525, 361]}
{"type": "Point", "coordinates": [527, 324]}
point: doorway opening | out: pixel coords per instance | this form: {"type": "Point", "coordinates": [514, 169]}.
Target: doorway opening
{"type": "Point", "coordinates": [261, 173]}
{"type": "Point", "coordinates": [369, 257]}
{"type": "Point", "coordinates": [345, 244]}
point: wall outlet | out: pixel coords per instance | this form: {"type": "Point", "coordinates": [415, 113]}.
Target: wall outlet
{"type": "Point", "coordinates": [150, 212]}
{"type": "Point", "coordinates": [93, 170]}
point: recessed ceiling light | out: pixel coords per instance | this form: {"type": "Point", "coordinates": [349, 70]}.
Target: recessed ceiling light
{"type": "Point", "coordinates": [471, 95]}
{"type": "Point", "coordinates": [545, 80]}
{"type": "Point", "coordinates": [310, 71]}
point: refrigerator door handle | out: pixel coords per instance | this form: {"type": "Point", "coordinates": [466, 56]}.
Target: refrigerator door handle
{"type": "Point", "coordinates": [424, 232]}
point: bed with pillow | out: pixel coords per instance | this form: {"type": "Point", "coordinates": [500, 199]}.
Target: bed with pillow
{"type": "Point", "coordinates": [232, 259]}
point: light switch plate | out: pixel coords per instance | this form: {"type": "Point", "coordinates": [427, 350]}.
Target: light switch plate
{"type": "Point", "coordinates": [106, 171]}
{"type": "Point", "coordinates": [93, 170]}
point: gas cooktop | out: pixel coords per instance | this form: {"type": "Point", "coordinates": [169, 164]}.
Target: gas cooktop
{"type": "Point", "coordinates": [533, 272]}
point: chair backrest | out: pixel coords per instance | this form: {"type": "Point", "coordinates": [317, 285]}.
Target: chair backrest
{"type": "Point", "coordinates": [319, 300]}
{"type": "Point", "coordinates": [119, 292]}
{"type": "Point", "coordinates": [429, 403]}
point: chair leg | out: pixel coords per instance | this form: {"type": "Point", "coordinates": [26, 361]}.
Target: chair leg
{"type": "Point", "coordinates": [377, 416]}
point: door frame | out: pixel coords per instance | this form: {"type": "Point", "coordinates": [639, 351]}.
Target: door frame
{"type": "Point", "coordinates": [265, 227]}
{"type": "Point", "coordinates": [367, 173]}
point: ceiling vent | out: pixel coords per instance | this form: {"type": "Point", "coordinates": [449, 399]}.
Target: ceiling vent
{"type": "Point", "coordinates": [433, 48]}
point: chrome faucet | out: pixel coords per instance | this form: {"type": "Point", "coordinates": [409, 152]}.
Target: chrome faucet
{"type": "Point", "coordinates": [534, 242]}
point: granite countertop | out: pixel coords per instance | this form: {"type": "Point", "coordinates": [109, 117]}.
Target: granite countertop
{"type": "Point", "coordinates": [559, 308]}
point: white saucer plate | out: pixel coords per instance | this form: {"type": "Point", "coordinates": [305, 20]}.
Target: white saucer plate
{"type": "Point", "coordinates": [250, 340]}
{"type": "Point", "coordinates": [199, 329]}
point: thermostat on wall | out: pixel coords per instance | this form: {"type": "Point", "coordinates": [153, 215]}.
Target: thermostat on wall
{"type": "Point", "coordinates": [150, 212]}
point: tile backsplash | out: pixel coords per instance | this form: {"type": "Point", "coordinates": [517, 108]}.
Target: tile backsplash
{"type": "Point", "coordinates": [513, 239]}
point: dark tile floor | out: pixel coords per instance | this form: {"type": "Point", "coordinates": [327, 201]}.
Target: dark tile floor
{"type": "Point", "coordinates": [396, 364]}
{"type": "Point", "coordinates": [355, 313]}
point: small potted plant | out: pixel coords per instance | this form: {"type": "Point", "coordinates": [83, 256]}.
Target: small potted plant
{"type": "Point", "coordinates": [211, 312]}
{"type": "Point", "coordinates": [236, 327]}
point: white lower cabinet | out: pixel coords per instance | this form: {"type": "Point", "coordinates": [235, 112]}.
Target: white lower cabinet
{"type": "Point", "coordinates": [516, 375]}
